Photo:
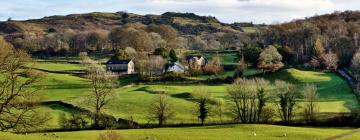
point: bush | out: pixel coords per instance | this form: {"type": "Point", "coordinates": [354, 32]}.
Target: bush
{"type": "Point", "coordinates": [107, 121]}
{"type": "Point", "coordinates": [76, 121]}
{"type": "Point", "coordinates": [172, 76]}
{"type": "Point", "coordinates": [110, 135]}
{"type": "Point", "coordinates": [267, 115]}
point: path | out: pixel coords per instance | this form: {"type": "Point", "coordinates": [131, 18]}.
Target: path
{"type": "Point", "coordinates": [343, 135]}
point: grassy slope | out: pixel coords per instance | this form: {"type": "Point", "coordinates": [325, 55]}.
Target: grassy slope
{"type": "Point", "coordinates": [334, 93]}
{"type": "Point", "coordinates": [335, 96]}
{"type": "Point", "coordinates": [58, 67]}
{"type": "Point", "coordinates": [63, 87]}
{"type": "Point", "coordinates": [230, 132]}
{"type": "Point", "coordinates": [134, 100]}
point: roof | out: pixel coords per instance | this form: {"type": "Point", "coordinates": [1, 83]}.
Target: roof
{"type": "Point", "coordinates": [192, 56]}
{"type": "Point", "coordinates": [172, 64]}
{"type": "Point", "coordinates": [118, 62]}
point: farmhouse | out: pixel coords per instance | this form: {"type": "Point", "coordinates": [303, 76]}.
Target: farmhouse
{"type": "Point", "coordinates": [175, 67]}
{"type": "Point", "coordinates": [202, 61]}
{"type": "Point", "coordinates": [121, 66]}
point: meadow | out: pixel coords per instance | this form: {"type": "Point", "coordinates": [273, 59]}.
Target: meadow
{"type": "Point", "coordinates": [132, 100]}
{"type": "Point", "coordinates": [230, 132]}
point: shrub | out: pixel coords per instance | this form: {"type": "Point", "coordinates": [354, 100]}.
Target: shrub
{"type": "Point", "coordinates": [267, 115]}
{"type": "Point", "coordinates": [110, 135]}
{"type": "Point", "coordinates": [75, 121]}
{"type": "Point", "coordinates": [172, 76]}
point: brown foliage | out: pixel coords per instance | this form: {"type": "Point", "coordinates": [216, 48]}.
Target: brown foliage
{"type": "Point", "coordinates": [110, 135]}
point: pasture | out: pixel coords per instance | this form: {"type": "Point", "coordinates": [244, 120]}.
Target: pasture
{"type": "Point", "coordinates": [133, 100]}
{"type": "Point", "coordinates": [230, 132]}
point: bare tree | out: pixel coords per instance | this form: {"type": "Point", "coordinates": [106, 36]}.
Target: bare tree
{"type": "Point", "coordinates": [355, 64]}
{"type": "Point", "coordinates": [331, 61]}
{"type": "Point", "coordinates": [102, 83]}
{"type": "Point", "coordinates": [161, 109]}
{"type": "Point", "coordinates": [310, 108]}
{"type": "Point", "coordinates": [18, 91]}
{"type": "Point", "coordinates": [249, 99]}
{"type": "Point", "coordinates": [214, 66]}
{"type": "Point", "coordinates": [242, 66]}
{"type": "Point", "coordinates": [315, 63]}
{"type": "Point", "coordinates": [219, 108]}
{"type": "Point", "coordinates": [319, 50]}
{"type": "Point", "coordinates": [287, 100]}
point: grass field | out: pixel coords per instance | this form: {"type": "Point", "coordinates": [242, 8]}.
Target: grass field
{"type": "Point", "coordinates": [133, 100]}
{"type": "Point", "coordinates": [59, 67]}
{"type": "Point", "coordinates": [335, 96]}
{"type": "Point", "coordinates": [228, 132]}
{"type": "Point", "coordinates": [334, 93]}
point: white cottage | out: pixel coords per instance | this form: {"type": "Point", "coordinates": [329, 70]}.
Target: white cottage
{"type": "Point", "coordinates": [200, 60]}
{"type": "Point", "coordinates": [121, 66]}
{"type": "Point", "coordinates": [175, 67]}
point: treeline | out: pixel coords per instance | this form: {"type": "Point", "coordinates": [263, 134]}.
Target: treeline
{"type": "Point", "coordinates": [142, 38]}
{"type": "Point", "coordinates": [337, 32]}
{"type": "Point", "coordinates": [302, 43]}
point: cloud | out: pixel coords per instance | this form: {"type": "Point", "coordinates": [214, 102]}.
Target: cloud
{"type": "Point", "coordinates": [258, 11]}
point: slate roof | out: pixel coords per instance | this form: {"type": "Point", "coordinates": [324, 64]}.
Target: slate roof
{"type": "Point", "coordinates": [189, 57]}
{"type": "Point", "coordinates": [118, 62]}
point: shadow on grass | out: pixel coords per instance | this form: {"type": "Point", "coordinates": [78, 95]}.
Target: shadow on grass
{"type": "Point", "coordinates": [185, 96]}
{"type": "Point", "coordinates": [147, 89]}
{"type": "Point", "coordinates": [56, 106]}
{"type": "Point", "coordinates": [333, 89]}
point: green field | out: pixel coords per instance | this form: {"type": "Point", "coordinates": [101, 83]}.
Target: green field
{"type": "Point", "coordinates": [228, 132]}
{"type": "Point", "coordinates": [59, 67]}
{"type": "Point", "coordinates": [132, 101]}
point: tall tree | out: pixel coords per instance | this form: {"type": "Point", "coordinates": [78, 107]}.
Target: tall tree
{"type": "Point", "coordinates": [287, 100]}
{"type": "Point", "coordinates": [219, 108]}
{"type": "Point", "coordinates": [355, 64]}
{"type": "Point", "coordinates": [319, 50]}
{"type": "Point", "coordinates": [103, 83]}
{"type": "Point", "coordinates": [120, 54]}
{"type": "Point", "coordinates": [202, 98]}
{"type": "Point", "coordinates": [249, 99]}
{"type": "Point", "coordinates": [270, 59]}
{"type": "Point", "coordinates": [242, 66]}
{"type": "Point", "coordinates": [18, 91]}
{"type": "Point", "coordinates": [310, 108]}
{"type": "Point", "coordinates": [172, 56]}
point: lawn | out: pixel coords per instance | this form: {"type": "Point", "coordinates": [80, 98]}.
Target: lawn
{"type": "Point", "coordinates": [229, 132]}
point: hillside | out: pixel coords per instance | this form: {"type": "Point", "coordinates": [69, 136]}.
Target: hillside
{"type": "Point", "coordinates": [337, 32]}
{"type": "Point", "coordinates": [186, 23]}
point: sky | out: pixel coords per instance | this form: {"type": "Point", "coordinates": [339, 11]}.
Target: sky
{"type": "Point", "coordinates": [229, 11]}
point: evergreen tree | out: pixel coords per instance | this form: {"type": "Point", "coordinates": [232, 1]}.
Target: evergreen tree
{"type": "Point", "coordinates": [203, 110]}
{"type": "Point", "coordinates": [120, 55]}
{"type": "Point", "coordinates": [172, 56]}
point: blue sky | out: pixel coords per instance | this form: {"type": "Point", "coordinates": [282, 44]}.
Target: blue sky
{"type": "Point", "coordinates": [258, 11]}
